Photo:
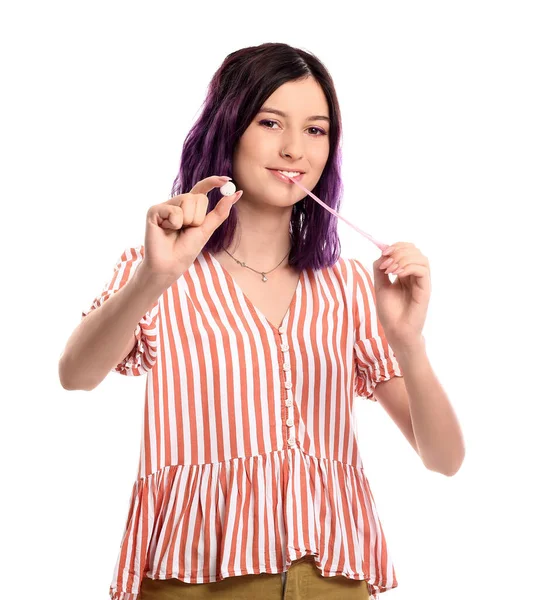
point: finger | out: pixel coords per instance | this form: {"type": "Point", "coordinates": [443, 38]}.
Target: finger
{"type": "Point", "coordinates": [416, 270]}
{"type": "Point", "coordinates": [401, 258]}
{"type": "Point", "coordinates": [421, 274]}
{"type": "Point", "coordinates": [206, 185]}
{"type": "Point", "coordinates": [167, 216]}
{"type": "Point", "coordinates": [218, 215]}
{"type": "Point", "coordinates": [201, 187]}
{"type": "Point", "coordinates": [182, 199]}
{"type": "Point", "coordinates": [188, 208]}
{"type": "Point", "coordinates": [175, 220]}
{"type": "Point", "coordinates": [415, 267]}
{"type": "Point", "coordinates": [381, 280]}
{"type": "Point", "coordinates": [392, 269]}
{"type": "Point", "coordinates": [397, 246]}
{"type": "Point", "coordinates": [200, 211]}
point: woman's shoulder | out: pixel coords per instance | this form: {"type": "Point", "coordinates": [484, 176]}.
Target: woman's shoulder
{"type": "Point", "coordinates": [350, 267]}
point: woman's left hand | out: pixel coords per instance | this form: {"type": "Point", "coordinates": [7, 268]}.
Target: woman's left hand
{"type": "Point", "coordinates": [402, 306]}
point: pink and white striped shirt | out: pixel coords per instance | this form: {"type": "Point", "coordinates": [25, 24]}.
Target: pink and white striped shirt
{"type": "Point", "coordinates": [249, 458]}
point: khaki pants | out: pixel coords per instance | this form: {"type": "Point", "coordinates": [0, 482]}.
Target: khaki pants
{"type": "Point", "coordinates": [303, 582]}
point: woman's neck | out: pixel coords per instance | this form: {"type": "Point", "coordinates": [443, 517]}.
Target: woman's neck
{"type": "Point", "coordinates": [262, 243]}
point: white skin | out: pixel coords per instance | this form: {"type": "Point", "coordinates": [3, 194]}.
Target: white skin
{"type": "Point", "coordinates": [264, 211]}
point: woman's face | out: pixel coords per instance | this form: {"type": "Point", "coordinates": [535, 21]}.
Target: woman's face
{"type": "Point", "coordinates": [301, 133]}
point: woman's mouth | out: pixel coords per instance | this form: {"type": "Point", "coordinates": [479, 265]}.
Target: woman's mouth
{"type": "Point", "coordinates": [282, 175]}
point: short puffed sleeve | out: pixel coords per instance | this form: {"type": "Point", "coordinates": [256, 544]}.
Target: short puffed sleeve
{"type": "Point", "coordinates": [374, 359]}
{"type": "Point", "coordinates": [143, 356]}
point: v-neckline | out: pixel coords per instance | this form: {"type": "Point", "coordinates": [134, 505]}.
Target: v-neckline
{"type": "Point", "coordinates": [251, 305]}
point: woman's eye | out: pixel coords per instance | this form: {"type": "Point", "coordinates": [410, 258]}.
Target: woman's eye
{"type": "Point", "coordinates": [320, 131]}
{"type": "Point", "coordinates": [266, 121]}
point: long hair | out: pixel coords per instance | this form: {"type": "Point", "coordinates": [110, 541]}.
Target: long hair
{"type": "Point", "coordinates": [236, 93]}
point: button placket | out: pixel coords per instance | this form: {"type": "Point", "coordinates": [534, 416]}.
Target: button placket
{"type": "Point", "coordinates": [286, 367]}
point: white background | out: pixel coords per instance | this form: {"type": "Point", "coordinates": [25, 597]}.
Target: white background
{"type": "Point", "coordinates": [444, 129]}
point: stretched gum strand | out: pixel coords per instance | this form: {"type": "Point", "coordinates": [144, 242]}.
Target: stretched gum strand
{"type": "Point", "coordinates": [380, 245]}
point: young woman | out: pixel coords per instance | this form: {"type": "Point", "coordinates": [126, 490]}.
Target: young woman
{"type": "Point", "coordinates": [256, 336]}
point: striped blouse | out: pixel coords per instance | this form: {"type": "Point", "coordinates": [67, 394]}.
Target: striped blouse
{"type": "Point", "coordinates": [249, 457]}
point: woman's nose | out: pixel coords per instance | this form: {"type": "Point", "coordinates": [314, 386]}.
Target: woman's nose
{"type": "Point", "coordinates": [292, 151]}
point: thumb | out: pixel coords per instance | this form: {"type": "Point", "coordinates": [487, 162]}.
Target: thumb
{"type": "Point", "coordinates": [219, 214]}
{"type": "Point", "coordinates": [381, 279]}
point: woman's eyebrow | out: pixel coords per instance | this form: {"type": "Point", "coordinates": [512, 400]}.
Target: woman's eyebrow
{"type": "Point", "coordinates": [283, 114]}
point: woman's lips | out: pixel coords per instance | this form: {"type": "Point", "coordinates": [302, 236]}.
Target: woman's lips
{"type": "Point", "coordinates": [285, 179]}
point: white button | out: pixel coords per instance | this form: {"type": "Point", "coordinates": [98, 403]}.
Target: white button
{"type": "Point", "coordinates": [291, 441]}
{"type": "Point", "coordinates": [286, 367]}
{"type": "Point", "coordinates": [282, 329]}
{"type": "Point", "coordinates": [289, 422]}
{"type": "Point", "coordinates": [288, 385]}
{"type": "Point", "coordinates": [284, 347]}
{"type": "Point", "coordinates": [289, 402]}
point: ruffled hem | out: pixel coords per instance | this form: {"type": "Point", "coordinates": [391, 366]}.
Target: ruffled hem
{"type": "Point", "coordinates": [373, 590]}
{"type": "Point", "coordinates": [122, 595]}
{"type": "Point", "coordinates": [197, 523]}
{"type": "Point", "coordinates": [366, 379]}
{"type": "Point", "coordinates": [143, 356]}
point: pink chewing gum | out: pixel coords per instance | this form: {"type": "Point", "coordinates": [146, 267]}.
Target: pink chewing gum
{"type": "Point", "coordinates": [379, 245]}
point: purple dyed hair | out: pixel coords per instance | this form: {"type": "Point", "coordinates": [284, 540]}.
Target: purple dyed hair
{"type": "Point", "coordinates": [237, 91]}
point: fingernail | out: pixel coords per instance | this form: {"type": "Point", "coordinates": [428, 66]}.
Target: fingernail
{"type": "Point", "coordinates": [388, 250]}
{"type": "Point", "coordinates": [391, 268]}
{"type": "Point", "coordinates": [386, 263]}
{"type": "Point", "coordinates": [238, 195]}
{"type": "Point", "coordinates": [225, 178]}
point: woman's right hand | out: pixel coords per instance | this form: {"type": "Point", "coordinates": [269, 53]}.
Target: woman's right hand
{"type": "Point", "coordinates": [178, 229]}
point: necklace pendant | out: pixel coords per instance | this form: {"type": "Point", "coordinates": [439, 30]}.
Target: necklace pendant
{"type": "Point", "coordinates": [264, 277]}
